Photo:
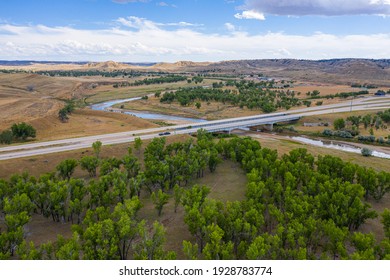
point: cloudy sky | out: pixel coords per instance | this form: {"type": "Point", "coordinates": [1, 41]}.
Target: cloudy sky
{"type": "Point", "coordinates": [197, 30]}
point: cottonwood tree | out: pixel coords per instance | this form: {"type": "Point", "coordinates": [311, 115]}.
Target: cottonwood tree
{"type": "Point", "coordinates": [97, 146]}
{"type": "Point", "coordinates": [159, 200]}
{"type": "Point", "coordinates": [151, 245]}
{"type": "Point", "coordinates": [66, 168]}
{"type": "Point", "coordinates": [90, 164]}
{"type": "Point", "coordinates": [23, 131]}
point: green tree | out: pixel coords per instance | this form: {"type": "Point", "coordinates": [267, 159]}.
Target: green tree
{"type": "Point", "coordinates": [339, 124]}
{"type": "Point", "coordinates": [190, 250]}
{"type": "Point", "coordinates": [127, 227]}
{"type": "Point", "coordinates": [159, 200]}
{"type": "Point", "coordinates": [23, 131]}
{"type": "Point", "coordinates": [364, 245]}
{"type": "Point", "coordinates": [386, 222]}
{"type": "Point", "coordinates": [138, 144]}
{"type": "Point", "coordinates": [97, 146]}
{"type": "Point", "coordinates": [216, 248]}
{"type": "Point", "coordinates": [99, 241]}
{"type": "Point", "coordinates": [6, 137]}
{"type": "Point", "coordinates": [90, 164]}
{"type": "Point", "coordinates": [177, 194]}
{"type": "Point", "coordinates": [151, 245]}
{"type": "Point", "coordinates": [63, 115]}
{"type": "Point", "coordinates": [66, 168]}
{"type": "Point", "coordinates": [17, 213]}
{"type": "Point", "coordinates": [132, 166]}
{"type": "Point", "coordinates": [109, 164]}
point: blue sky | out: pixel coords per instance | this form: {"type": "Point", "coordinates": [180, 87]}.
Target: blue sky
{"type": "Point", "coordinates": [198, 30]}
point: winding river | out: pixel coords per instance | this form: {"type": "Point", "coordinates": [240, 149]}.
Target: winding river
{"type": "Point", "coordinates": [331, 145]}
{"type": "Point", "coordinates": [104, 106]}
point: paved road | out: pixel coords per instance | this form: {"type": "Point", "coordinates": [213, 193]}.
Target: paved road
{"type": "Point", "coordinates": [40, 148]}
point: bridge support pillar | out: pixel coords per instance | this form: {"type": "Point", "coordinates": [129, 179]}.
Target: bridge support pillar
{"type": "Point", "coordinates": [269, 127]}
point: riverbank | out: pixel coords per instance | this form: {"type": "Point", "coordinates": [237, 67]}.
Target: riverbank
{"type": "Point", "coordinates": [284, 144]}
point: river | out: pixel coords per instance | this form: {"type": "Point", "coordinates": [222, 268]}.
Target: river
{"type": "Point", "coordinates": [346, 148]}
{"type": "Point", "coordinates": [105, 106]}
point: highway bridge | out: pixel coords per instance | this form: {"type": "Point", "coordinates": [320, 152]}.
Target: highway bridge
{"type": "Point", "coordinates": [40, 148]}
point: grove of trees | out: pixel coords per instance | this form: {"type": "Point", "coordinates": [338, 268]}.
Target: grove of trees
{"type": "Point", "coordinates": [296, 206]}
{"type": "Point", "coordinates": [247, 94]}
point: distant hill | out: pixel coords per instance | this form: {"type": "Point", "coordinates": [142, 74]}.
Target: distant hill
{"type": "Point", "coordinates": [332, 70]}
{"type": "Point", "coordinates": [343, 71]}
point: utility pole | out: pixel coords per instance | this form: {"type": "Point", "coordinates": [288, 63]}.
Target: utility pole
{"type": "Point", "coordinates": [351, 103]}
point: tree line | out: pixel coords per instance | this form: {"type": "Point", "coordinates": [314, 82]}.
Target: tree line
{"type": "Point", "coordinates": [150, 81]}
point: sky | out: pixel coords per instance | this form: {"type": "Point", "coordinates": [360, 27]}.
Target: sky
{"type": "Point", "coordinates": [196, 30]}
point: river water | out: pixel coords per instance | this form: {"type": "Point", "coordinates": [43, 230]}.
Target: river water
{"type": "Point", "coordinates": [144, 115]}
{"type": "Point", "coordinates": [341, 147]}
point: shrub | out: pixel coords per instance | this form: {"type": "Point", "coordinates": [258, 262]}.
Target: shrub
{"type": "Point", "coordinates": [6, 137]}
{"type": "Point", "coordinates": [369, 138]}
{"type": "Point", "coordinates": [366, 152]}
{"type": "Point", "coordinates": [342, 134]}
{"type": "Point", "coordinates": [327, 132]}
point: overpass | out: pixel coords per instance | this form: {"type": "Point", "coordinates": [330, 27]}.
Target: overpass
{"type": "Point", "coordinates": [234, 123]}
{"type": "Point", "coordinates": [40, 148]}
{"type": "Point", "coordinates": [231, 124]}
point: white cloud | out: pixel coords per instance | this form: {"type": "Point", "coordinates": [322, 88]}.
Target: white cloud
{"type": "Point", "coordinates": [148, 41]}
{"type": "Point", "coordinates": [319, 7]}
{"type": "Point", "coordinates": [137, 22]}
{"type": "Point", "coordinates": [230, 27]}
{"type": "Point", "coordinates": [250, 14]}
{"type": "Point", "coordinates": [129, 1]}
{"type": "Point", "coordinates": [142, 23]}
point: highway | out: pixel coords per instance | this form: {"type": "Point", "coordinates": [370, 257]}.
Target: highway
{"type": "Point", "coordinates": [40, 148]}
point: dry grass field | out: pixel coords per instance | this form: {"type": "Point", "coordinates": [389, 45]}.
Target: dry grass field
{"type": "Point", "coordinates": [36, 99]}
{"type": "Point", "coordinates": [85, 122]}
{"type": "Point", "coordinates": [324, 89]}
